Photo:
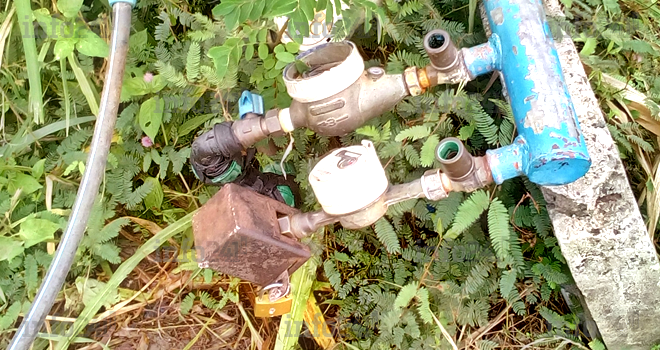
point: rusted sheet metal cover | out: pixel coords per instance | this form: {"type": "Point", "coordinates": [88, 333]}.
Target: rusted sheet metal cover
{"type": "Point", "coordinates": [236, 232]}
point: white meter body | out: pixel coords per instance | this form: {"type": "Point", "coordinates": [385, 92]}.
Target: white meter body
{"type": "Point", "coordinates": [349, 179]}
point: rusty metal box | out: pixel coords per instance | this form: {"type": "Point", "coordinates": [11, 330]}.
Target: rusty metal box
{"type": "Point", "coordinates": [236, 233]}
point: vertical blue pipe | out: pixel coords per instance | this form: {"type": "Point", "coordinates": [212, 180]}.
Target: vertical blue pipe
{"type": "Point", "coordinates": [549, 149]}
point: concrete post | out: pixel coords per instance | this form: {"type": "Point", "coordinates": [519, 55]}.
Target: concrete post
{"type": "Point", "coordinates": [599, 226]}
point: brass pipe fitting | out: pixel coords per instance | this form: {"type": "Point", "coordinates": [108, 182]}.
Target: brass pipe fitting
{"type": "Point", "coordinates": [441, 50]}
{"type": "Point", "coordinates": [447, 65]}
{"type": "Point", "coordinates": [463, 172]}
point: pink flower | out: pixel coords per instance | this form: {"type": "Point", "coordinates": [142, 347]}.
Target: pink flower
{"type": "Point", "coordinates": [146, 141]}
{"type": "Point", "coordinates": [148, 77]}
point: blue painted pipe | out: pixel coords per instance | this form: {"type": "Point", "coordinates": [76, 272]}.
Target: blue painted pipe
{"type": "Point", "coordinates": [550, 149]}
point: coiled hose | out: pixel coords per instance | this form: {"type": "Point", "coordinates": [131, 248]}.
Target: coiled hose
{"type": "Point", "coordinates": [89, 186]}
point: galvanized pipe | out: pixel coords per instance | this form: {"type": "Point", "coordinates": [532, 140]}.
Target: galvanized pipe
{"type": "Point", "coordinates": [89, 186]}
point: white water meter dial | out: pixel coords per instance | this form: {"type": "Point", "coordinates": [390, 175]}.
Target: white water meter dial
{"type": "Point", "coordinates": [349, 179]}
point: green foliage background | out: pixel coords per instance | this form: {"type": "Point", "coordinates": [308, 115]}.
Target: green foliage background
{"type": "Point", "coordinates": [423, 268]}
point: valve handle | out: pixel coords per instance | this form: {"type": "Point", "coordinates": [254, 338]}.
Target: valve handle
{"type": "Point", "coordinates": [250, 103]}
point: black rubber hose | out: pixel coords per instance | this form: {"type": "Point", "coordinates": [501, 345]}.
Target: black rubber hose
{"type": "Point", "coordinates": [213, 151]}
{"type": "Point", "coordinates": [89, 186]}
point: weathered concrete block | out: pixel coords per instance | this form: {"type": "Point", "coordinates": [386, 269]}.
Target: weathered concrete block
{"type": "Point", "coordinates": [600, 229]}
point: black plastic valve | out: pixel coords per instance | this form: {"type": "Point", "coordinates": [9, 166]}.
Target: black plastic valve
{"type": "Point", "coordinates": [218, 158]}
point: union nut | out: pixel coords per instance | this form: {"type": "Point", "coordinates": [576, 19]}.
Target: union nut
{"type": "Point", "coordinates": [416, 80]}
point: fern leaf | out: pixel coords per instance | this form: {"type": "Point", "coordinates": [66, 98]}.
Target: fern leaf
{"type": "Point", "coordinates": [485, 344]}
{"type": "Point", "coordinates": [110, 230]}
{"type": "Point", "coordinates": [187, 303]}
{"type": "Point", "coordinates": [162, 53]}
{"type": "Point", "coordinates": [471, 110]}
{"type": "Point", "coordinates": [162, 31]}
{"type": "Point", "coordinates": [108, 251]}
{"type": "Point", "coordinates": [412, 328]}
{"type": "Point", "coordinates": [486, 126]}
{"type": "Point", "coordinates": [505, 108]}
{"type": "Point", "coordinates": [411, 155]}
{"type": "Point", "coordinates": [555, 319]}
{"type": "Point", "coordinates": [519, 307]}
{"type": "Point", "coordinates": [134, 198]}
{"type": "Point", "coordinates": [31, 273]}
{"type": "Point", "coordinates": [498, 229]}
{"type": "Point", "coordinates": [398, 209]}
{"type": "Point", "coordinates": [332, 274]}
{"type": "Point", "coordinates": [414, 133]}
{"type": "Point", "coordinates": [643, 144]}
{"type": "Point", "coordinates": [427, 154]}
{"type": "Point", "coordinates": [476, 278]}
{"type": "Point", "coordinates": [386, 234]}
{"type": "Point", "coordinates": [507, 282]}
{"type": "Point", "coordinates": [386, 131]}
{"type": "Point", "coordinates": [10, 316]}
{"type": "Point", "coordinates": [170, 74]}
{"type": "Point", "coordinates": [207, 300]}
{"type": "Point", "coordinates": [43, 259]}
{"type": "Point", "coordinates": [446, 208]}
{"type": "Point", "coordinates": [406, 295]}
{"type": "Point", "coordinates": [517, 260]}
{"type": "Point", "coordinates": [468, 213]}
{"type": "Point", "coordinates": [192, 61]}
{"type": "Point", "coordinates": [474, 313]}
{"type": "Point", "coordinates": [389, 149]}
{"type": "Point", "coordinates": [410, 7]}
{"type": "Point", "coordinates": [424, 306]}
{"type": "Point", "coordinates": [506, 133]}
{"type": "Point", "coordinates": [369, 131]}
{"type": "Point", "coordinates": [531, 299]}
{"type": "Point", "coordinates": [551, 272]}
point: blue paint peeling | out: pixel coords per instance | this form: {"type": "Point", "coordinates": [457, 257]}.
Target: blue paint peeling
{"type": "Point", "coordinates": [549, 149]}
{"type": "Point", "coordinates": [484, 58]}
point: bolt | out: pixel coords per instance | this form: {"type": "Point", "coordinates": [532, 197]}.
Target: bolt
{"type": "Point", "coordinates": [285, 225]}
{"type": "Point", "coordinates": [375, 72]}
